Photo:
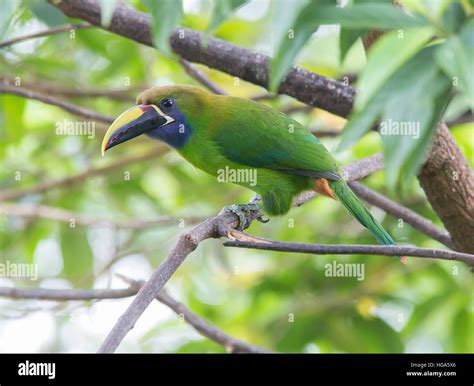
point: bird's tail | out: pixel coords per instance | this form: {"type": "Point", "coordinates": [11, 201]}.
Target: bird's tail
{"type": "Point", "coordinates": [355, 206]}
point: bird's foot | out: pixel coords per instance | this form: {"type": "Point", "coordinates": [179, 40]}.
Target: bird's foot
{"type": "Point", "coordinates": [246, 213]}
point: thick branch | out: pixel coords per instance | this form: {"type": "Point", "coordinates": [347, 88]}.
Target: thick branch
{"type": "Point", "coordinates": [448, 182]}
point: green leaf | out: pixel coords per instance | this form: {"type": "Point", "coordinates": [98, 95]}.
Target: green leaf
{"type": "Point", "coordinates": [347, 38]}
{"type": "Point", "coordinates": [165, 17]}
{"type": "Point", "coordinates": [222, 10]}
{"type": "Point", "coordinates": [316, 13]}
{"type": "Point", "coordinates": [454, 17]}
{"type": "Point", "coordinates": [292, 27]}
{"type": "Point", "coordinates": [385, 57]}
{"type": "Point", "coordinates": [374, 15]}
{"type": "Point", "coordinates": [377, 335]}
{"type": "Point", "coordinates": [462, 339]}
{"type": "Point", "coordinates": [77, 255]}
{"type": "Point", "coordinates": [13, 112]}
{"type": "Point", "coordinates": [47, 14]}
{"type": "Point", "coordinates": [361, 122]}
{"type": "Point", "coordinates": [456, 56]}
{"type": "Point", "coordinates": [423, 312]}
{"type": "Point", "coordinates": [107, 8]}
{"type": "Point", "coordinates": [411, 103]}
{"type": "Point", "coordinates": [419, 93]}
{"type": "Point", "coordinates": [7, 9]}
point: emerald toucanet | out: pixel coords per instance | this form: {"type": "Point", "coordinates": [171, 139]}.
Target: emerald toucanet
{"type": "Point", "coordinates": [215, 133]}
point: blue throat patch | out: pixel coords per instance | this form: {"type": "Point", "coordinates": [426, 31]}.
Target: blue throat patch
{"type": "Point", "coordinates": [175, 134]}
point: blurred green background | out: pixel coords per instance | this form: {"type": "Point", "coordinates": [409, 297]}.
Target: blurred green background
{"type": "Point", "coordinates": [280, 301]}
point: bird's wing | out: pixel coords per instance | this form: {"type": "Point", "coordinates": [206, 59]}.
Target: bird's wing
{"type": "Point", "coordinates": [257, 136]}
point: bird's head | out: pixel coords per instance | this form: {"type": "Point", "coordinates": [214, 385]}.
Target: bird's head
{"type": "Point", "coordinates": [162, 113]}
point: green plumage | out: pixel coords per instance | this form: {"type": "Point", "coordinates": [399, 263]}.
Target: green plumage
{"type": "Point", "coordinates": [240, 134]}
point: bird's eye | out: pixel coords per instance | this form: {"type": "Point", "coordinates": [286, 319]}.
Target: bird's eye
{"type": "Point", "coordinates": [167, 102]}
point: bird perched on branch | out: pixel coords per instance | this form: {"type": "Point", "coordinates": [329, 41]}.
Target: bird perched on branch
{"type": "Point", "coordinates": [219, 133]}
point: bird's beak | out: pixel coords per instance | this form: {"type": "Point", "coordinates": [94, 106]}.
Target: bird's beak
{"type": "Point", "coordinates": [133, 122]}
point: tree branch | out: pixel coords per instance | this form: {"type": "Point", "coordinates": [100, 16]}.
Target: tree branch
{"type": "Point", "coordinates": [48, 88]}
{"type": "Point", "coordinates": [57, 214]}
{"type": "Point", "coordinates": [50, 31]}
{"type": "Point", "coordinates": [214, 227]}
{"type": "Point", "coordinates": [11, 194]}
{"type": "Point", "coordinates": [203, 327]}
{"type": "Point", "coordinates": [385, 250]}
{"type": "Point", "coordinates": [66, 294]}
{"type": "Point", "coordinates": [70, 107]}
{"type": "Point", "coordinates": [308, 87]}
{"type": "Point", "coordinates": [448, 182]}
{"type": "Point", "coordinates": [202, 78]}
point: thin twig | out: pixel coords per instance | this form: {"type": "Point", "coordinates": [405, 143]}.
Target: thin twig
{"type": "Point", "coordinates": [320, 133]}
{"type": "Point", "coordinates": [202, 78]}
{"type": "Point", "coordinates": [384, 250]}
{"type": "Point", "coordinates": [202, 326]}
{"type": "Point", "coordinates": [49, 88]}
{"type": "Point", "coordinates": [74, 180]}
{"type": "Point", "coordinates": [291, 109]}
{"type": "Point", "coordinates": [66, 294]}
{"type": "Point", "coordinates": [70, 107]}
{"type": "Point", "coordinates": [263, 97]}
{"type": "Point", "coordinates": [47, 32]}
{"type": "Point", "coordinates": [57, 214]}
{"type": "Point", "coordinates": [466, 117]}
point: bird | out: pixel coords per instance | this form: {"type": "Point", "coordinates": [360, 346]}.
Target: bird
{"type": "Point", "coordinates": [217, 133]}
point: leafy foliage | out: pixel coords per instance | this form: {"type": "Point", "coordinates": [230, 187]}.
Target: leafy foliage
{"type": "Point", "coordinates": [409, 35]}
{"type": "Point", "coordinates": [165, 15]}
{"type": "Point", "coordinates": [222, 10]}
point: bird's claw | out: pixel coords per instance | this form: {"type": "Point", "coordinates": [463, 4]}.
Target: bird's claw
{"type": "Point", "coordinates": [242, 211]}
